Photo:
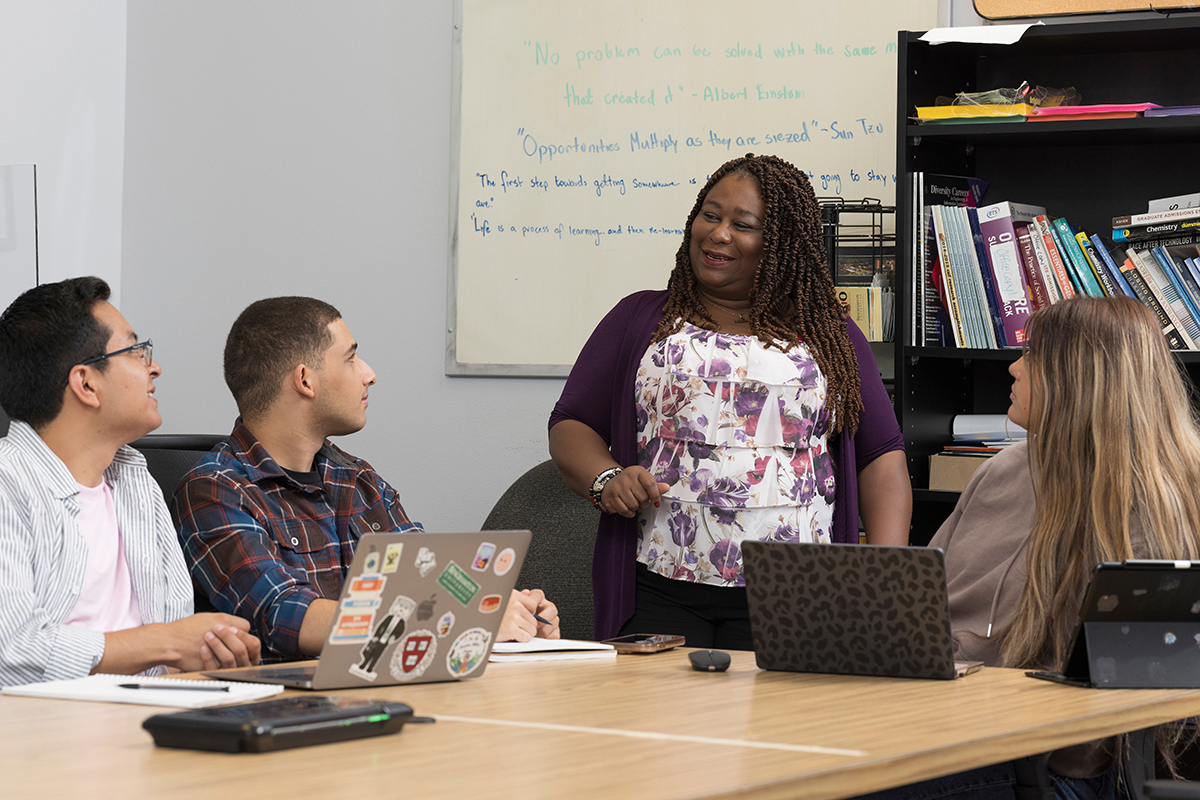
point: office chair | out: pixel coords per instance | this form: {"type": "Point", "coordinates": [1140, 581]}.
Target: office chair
{"type": "Point", "coordinates": [169, 456]}
{"type": "Point", "coordinates": [559, 560]}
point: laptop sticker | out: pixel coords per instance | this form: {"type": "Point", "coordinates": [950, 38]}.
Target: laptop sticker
{"type": "Point", "coordinates": [366, 586]}
{"type": "Point", "coordinates": [352, 627]}
{"type": "Point", "coordinates": [391, 557]}
{"type": "Point", "coordinates": [372, 563]}
{"type": "Point", "coordinates": [489, 604]}
{"type": "Point", "coordinates": [504, 561]}
{"type": "Point", "coordinates": [413, 655]}
{"type": "Point", "coordinates": [425, 610]}
{"type": "Point", "coordinates": [445, 624]}
{"type": "Point", "coordinates": [389, 629]}
{"type": "Point", "coordinates": [483, 556]}
{"type": "Point", "coordinates": [456, 581]}
{"type": "Point", "coordinates": [426, 561]}
{"type": "Point", "coordinates": [467, 652]}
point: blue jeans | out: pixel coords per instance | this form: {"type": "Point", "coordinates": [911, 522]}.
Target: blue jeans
{"type": "Point", "coordinates": [996, 782]}
{"type": "Point", "coordinates": [1101, 788]}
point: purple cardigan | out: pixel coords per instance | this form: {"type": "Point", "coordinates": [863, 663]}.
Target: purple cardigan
{"type": "Point", "coordinates": [599, 393]}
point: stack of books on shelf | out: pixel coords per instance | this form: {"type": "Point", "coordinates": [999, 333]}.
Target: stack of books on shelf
{"type": "Point", "coordinates": [873, 309]}
{"type": "Point", "coordinates": [984, 270]}
{"type": "Point", "coordinates": [977, 437]}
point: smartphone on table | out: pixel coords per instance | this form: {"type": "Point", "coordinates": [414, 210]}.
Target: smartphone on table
{"type": "Point", "coordinates": [645, 642]}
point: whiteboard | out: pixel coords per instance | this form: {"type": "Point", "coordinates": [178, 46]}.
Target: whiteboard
{"type": "Point", "coordinates": [583, 131]}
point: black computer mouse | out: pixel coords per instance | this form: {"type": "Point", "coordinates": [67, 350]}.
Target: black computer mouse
{"type": "Point", "coordinates": [709, 660]}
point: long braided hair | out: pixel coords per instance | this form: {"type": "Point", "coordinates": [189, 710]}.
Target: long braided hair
{"type": "Point", "coordinates": [792, 299]}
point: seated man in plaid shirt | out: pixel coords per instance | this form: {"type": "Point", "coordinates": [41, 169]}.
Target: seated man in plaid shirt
{"type": "Point", "coordinates": [270, 518]}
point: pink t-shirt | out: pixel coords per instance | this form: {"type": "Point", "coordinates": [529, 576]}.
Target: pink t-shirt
{"type": "Point", "coordinates": [106, 601]}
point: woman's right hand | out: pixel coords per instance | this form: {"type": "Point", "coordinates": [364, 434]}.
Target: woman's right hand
{"type": "Point", "coordinates": [633, 488]}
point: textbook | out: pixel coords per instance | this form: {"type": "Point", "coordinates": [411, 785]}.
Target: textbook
{"type": "Point", "coordinates": [1168, 299]}
{"type": "Point", "coordinates": [931, 324]}
{"type": "Point", "coordinates": [997, 223]}
{"type": "Point", "coordinates": [1134, 220]}
{"type": "Point", "coordinates": [152, 692]}
{"type": "Point", "coordinates": [1040, 293]}
{"type": "Point", "coordinates": [1074, 256]}
{"type": "Point", "coordinates": [1136, 282]}
{"type": "Point", "coordinates": [1113, 270]}
{"type": "Point", "coordinates": [1045, 241]}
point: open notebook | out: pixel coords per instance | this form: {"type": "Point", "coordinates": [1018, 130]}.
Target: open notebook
{"type": "Point", "coordinates": [538, 649]}
{"type": "Point", "coordinates": [173, 692]}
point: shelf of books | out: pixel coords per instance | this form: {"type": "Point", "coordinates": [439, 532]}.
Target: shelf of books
{"type": "Point", "coordinates": [1000, 212]}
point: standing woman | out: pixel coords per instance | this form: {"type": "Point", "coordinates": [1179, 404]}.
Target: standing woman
{"type": "Point", "coordinates": [738, 404]}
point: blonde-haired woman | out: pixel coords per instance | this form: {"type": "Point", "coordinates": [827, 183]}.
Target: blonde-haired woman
{"type": "Point", "coordinates": [1111, 465]}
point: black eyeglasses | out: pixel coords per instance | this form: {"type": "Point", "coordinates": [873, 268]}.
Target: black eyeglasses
{"type": "Point", "coordinates": [145, 351]}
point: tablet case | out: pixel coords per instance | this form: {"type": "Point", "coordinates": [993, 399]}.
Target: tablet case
{"type": "Point", "coordinates": [1139, 628]}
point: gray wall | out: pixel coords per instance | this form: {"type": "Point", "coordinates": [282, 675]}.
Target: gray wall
{"type": "Point", "coordinates": [272, 147]}
{"type": "Point", "coordinates": [302, 147]}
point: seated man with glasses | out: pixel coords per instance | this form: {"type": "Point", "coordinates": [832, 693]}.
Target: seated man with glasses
{"type": "Point", "coordinates": [91, 575]}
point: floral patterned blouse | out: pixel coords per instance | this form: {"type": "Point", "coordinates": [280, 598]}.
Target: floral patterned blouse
{"type": "Point", "coordinates": [738, 430]}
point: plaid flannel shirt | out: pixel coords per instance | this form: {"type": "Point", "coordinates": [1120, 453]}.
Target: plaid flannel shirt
{"type": "Point", "coordinates": [263, 545]}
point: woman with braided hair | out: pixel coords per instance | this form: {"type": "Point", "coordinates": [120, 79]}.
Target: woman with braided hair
{"type": "Point", "coordinates": [738, 404]}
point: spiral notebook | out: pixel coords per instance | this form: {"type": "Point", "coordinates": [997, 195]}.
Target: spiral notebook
{"type": "Point", "coordinates": [108, 689]}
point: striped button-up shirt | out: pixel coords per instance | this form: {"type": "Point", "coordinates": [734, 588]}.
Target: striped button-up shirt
{"type": "Point", "coordinates": [263, 545]}
{"type": "Point", "coordinates": [43, 556]}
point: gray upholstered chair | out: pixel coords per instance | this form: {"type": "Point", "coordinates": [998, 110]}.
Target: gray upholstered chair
{"type": "Point", "coordinates": [169, 456]}
{"type": "Point", "coordinates": [564, 533]}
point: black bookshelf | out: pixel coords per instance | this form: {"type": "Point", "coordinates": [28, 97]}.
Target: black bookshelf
{"type": "Point", "coordinates": [1087, 171]}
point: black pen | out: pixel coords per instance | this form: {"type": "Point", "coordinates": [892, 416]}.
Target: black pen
{"type": "Point", "coordinates": [541, 619]}
{"type": "Point", "coordinates": [175, 688]}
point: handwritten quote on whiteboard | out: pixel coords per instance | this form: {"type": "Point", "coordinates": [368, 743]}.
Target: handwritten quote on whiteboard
{"type": "Point", "coordinates": [586, 130]}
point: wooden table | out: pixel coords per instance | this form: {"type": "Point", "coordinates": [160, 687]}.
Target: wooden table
{"type": "Point", "coordinates": [648, 726]}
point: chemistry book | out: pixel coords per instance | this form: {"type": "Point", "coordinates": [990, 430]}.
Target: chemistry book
{"type": "Point", "coordinates": [1111, 265]}
{"type": "Point", "coordinates": [1096, 264]}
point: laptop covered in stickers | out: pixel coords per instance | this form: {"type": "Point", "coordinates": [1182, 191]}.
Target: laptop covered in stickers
{"type": "Point", "coordinates": [415, 608]}
{"type": "Point", "coordinates": [850, 609]}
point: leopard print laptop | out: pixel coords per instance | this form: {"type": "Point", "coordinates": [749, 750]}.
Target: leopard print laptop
{"type": "Point", "coordinates": [849, 609]}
